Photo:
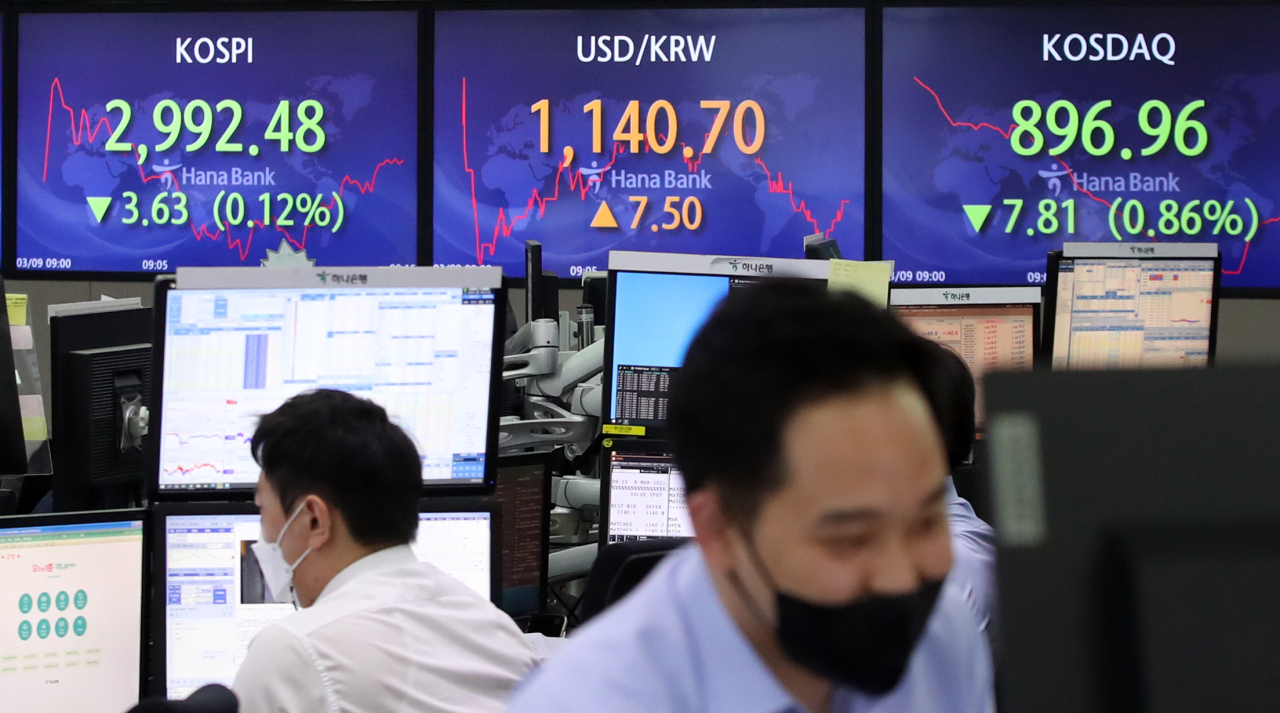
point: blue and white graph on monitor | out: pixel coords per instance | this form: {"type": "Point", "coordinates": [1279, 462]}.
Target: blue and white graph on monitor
{"type": "Point", "coordinates": [231, 356]}
{"type": "Point", "coordinates": [150, 141]}
{"type": "Point", "coordinates": [1009, 131]}
{"type": "Point", "coordinates": [720, 132]}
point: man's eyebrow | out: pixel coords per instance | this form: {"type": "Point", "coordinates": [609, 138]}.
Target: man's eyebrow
{"type": "Point", "coordinates": [935, 496]}
{"type": "Point", "coordinates": [849, 516]}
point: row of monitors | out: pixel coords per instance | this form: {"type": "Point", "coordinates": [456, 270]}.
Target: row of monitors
{"type": "Point", "coordinates": [235, 138]}
{"type": "Point", "coordinates": [424, 343]}
{"type": "Point", "coordinates": [81, 607]}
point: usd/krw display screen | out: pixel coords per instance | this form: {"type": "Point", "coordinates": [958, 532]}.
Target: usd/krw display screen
{"type": "Point", "coordinates": [729, 132]}
{"type": "Point", "coordinates": [149, 141]}
{"type": "Point", "coordinates": [1009, 131]}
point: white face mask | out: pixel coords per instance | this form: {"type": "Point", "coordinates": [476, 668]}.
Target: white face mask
{"type": "Point", "coordinates": [276, 570]}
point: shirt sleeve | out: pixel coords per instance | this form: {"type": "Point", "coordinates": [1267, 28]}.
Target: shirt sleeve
{"type": "Point", "coordinates": [279, 676]}
{"type": "Point", "coordinates": [973, 543]}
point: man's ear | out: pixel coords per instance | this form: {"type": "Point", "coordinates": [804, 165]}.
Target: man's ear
{"type": "Point", "coordinates": [712, 528]}
{"type": "Point", "coordinates": [318, 519]}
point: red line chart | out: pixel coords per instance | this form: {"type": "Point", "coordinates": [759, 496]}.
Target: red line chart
{"type": "Point", "coordinates": [1007, 131]}
{"type": "Point", "coordinates": [577, 182]}
{"type": "Point", "coordinates": [85, 130]}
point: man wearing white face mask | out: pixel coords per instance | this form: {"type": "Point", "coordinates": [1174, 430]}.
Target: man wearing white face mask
{"type": "Point", "coordinates": [376, 630]}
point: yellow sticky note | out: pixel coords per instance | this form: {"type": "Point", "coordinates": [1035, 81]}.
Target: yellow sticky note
{"type": "Point", "coordinates": [34, 428]}
{"type": "Point", "coordinates": [17, 305]}
{"type": "Point", "coordinates": [617, 430]}
{"type": "Point", "coordinates": [869, 279]}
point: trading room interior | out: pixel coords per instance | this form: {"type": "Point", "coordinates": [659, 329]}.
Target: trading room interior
{"type": "Point", "coordinates": [638, 356]}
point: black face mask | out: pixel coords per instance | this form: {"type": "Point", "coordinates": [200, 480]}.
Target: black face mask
{"type": "Point", "coordinates": [865, 644]}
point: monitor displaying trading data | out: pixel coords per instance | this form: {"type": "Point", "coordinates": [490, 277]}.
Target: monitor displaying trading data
{"type": "Point", "coordinates": [659, 303]}
{"type": "Point", "coordinates": [232, 355]}
{"type": "Point", "coordinates": [1114, 313]}
{"type": "Point", "coordinates": [216, 599]}
{"type": "Point", "coordinates": [71, 616]}
{"type": "Point", "coordinates": [646, 497]}
{"type": "Point", "coordinates": [1008, 131]}
{"type": "Point", "coordinates": [734, 131]}
{"type": "Point", "coordinates": [991, 328]}
{"type": "Point", "coordinates": [149, 141]}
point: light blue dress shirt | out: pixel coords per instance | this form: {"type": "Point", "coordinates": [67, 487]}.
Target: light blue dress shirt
{"type": "Point", "coordinates": [973, 559]}
{"type": "Point", "coordinates": [671, 647]}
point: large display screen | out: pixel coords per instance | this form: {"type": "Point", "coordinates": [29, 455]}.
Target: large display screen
{"type": "Point", "coordinates": [71, 619]}
{"type": "Point", "coordinates": [149, 141]}
{"type": "Point", "coordinates": [723, 132]}
{"type": "Point", "coordinates": [1008, 131]}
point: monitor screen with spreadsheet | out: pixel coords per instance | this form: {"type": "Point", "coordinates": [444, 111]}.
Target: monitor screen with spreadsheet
{"type": "Point", "coordinates": [644, 493]}
{"type": "Point", "coordinates": [232, 354]}
{"type": "Point", "coordinates": [215, 599]}
{"type": "Point", "coordinates": [658, 303]}
{"type": "Point", "coordinates": [1117, 313]}
{"type": "Point", "coordinates": [71, 627]}
{"type": "Point", "coordinates": [991, 328]}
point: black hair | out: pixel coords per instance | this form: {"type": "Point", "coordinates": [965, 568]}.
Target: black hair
{"type": "Point", "coordinates": [767, 350]}
{"type": "Point", "coordinates": [953, 393]}
{"type": "Point", "coordinates": [345, 450]}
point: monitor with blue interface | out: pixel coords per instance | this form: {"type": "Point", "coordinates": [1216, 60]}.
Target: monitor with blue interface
{"type": "Point", "coordinates": [71, 625]}
{"type": "Point", "coordinates": [657, 304]}
{"type": "Point", "coordinates": [214, 598]}
{"type": "Point", "coordinates": [235, 344]}
{"type": "Point", "coordinates": [147, 141]}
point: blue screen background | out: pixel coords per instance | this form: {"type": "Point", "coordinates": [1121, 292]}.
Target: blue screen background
{"type": "Point", "coordinates": [805, 67]}
{"type": "Point", "coordinates": [362, 67]}
{"type": "Point", "coordinates": [980, 62]}
{"type": "Point", "coordinates": [656, 317]}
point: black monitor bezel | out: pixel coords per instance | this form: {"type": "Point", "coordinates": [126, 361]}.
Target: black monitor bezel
{"type": "Point", "coordinates": [9, 169]}
{"type": "Point", "coordinates": [158, 599]}
{"type": "Point", "coordinates": [166, 283]}
{"type": "Point", "coordinates": [1051, 301]}
{"type": "Point", "coordinates": [145, 619]}
{"type": "Point", "coordinates": [523, 460]}
{"type": "Point", "coordinates": [624, 445]}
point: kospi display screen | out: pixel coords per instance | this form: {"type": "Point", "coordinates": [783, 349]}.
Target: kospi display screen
{"type": "Point", "coordinates": [1009, 131]}
{"type": "Point", "coordinates": [149, 141]}
{"type": "Point", "coordinates": [719, 132]}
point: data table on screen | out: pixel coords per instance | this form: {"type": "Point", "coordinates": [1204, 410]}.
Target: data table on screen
{"type": "Point", "coordinates": [1133, 314]}
{"type": "Point", "coordinates": [231, 356]}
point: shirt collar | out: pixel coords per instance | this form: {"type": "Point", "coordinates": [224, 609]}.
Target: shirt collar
{"type": "Point", "coordinates": [737, 680]}
{"type": "Point", "coordinates": [382, 560]}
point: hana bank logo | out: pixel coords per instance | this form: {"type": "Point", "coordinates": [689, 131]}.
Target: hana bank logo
{"type": "Point", "coordinates": [758, 268]}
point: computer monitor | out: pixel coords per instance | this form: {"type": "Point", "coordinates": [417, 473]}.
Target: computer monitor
{"type": "Point", "coordinates": [1139, 522]}
{"type": "Point", "coordinates": [1124, 306]}
{"type": "Point", "coordinates": [991, 328]}
{"type": "Point", "coordinates": [657, 303]}
{"type": "Point", "coordinates": [214, 600]}
{"type": "Point", "coordinates": [235, 343]}
{"type": "Point", "coordinates": [100, 369]}
{"type": "Point", "coordinates": [523, 493]}
{"type": "Point", "coordinates": [642, 496]}
{"type": "Point", "coordinates": [71, 624]}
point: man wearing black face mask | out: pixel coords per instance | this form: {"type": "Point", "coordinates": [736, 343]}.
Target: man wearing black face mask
{"type": "Point", "coordinates": [815, 474]}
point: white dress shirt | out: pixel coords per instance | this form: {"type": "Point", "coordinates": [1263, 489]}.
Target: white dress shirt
{"type": "Point", "coordinates": [389, 633]}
